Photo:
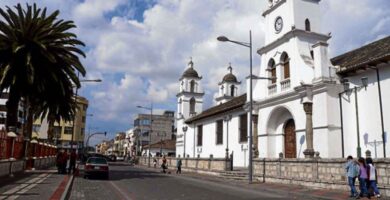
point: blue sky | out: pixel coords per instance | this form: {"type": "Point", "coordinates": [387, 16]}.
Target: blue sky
{"type": "Point", "coordinates": [139, 48]}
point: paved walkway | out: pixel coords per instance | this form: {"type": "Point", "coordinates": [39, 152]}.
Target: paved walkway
{"type": "Point", "coordinates": [294, 190]}
{"type": "Point", "coordinates": [39, 185]}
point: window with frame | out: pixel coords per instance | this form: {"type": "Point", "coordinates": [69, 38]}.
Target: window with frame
{"type": "Point", "coordinates": [286, 65]}
{"type": "Point", "coordinates": [57, 131]}
{"type": "Point", "coordinates": [192, 86]}
{"type": "Point", "coordinates": [219, 132]}
{"type": "Point", "coordinates": [232, 88]}
{"type": "Point", "coordinates": [243, 128]}
{"type": "Point", "coordinates": [200, 135]}
{"type": "Point", "coordinates": [272, 70]}
{"type": "Point", "coordinates": [68, 130]}
{"type": "Point", "coordinates": [192, 105]}
{"type": "Point", "coordinates": [307, 25]}
{"type": "Point", "coordinates": [36, 127]}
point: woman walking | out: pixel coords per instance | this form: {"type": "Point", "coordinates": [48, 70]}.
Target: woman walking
{"type": "Point", "coordinates": [372, 177]}
{"type": "Point", "coordinates": [363, 177]}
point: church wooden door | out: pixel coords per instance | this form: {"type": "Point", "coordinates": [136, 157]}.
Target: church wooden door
{"type": "Point", "coordinates": [290, 145]}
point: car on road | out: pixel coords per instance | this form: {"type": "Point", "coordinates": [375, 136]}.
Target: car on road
{"type": "Point", "coordinates": [120, 158]}
{"type": "Point", "coordinates": [89, 155]}
{"type": "Point", "coordinates": [112, 157]}
{"type": "Point", "coordinates": [96, 166]}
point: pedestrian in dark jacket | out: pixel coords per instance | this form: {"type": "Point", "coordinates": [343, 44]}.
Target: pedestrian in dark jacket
{"type": "Point", "coordinates": [64, 160]}
{"type": "Point", "coordinates": [178, 165]}
{"type": "Point", "coordinates": [72, 162]}
{"type": "Point", "coordinates": [59, 162]}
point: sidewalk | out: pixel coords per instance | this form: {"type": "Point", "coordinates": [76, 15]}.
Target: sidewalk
{"type": "Point", "coordinates": [294, 190]}
{"type": "Point", "coordinates": [31, 185]}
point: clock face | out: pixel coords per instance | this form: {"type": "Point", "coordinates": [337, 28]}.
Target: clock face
{"type": "Point", "coordinates": [278, 24]}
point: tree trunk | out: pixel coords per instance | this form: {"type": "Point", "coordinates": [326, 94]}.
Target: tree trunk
{"type": "Point", "coordinates": [12, 109]}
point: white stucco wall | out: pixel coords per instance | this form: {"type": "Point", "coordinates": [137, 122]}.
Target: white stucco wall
{"type": "Point", "coordinates": [368, 112]}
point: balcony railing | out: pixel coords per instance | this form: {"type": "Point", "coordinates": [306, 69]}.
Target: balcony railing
{"type": "Point", "coordinates": [285, 84]}
{"type": "Point", "coordinates": [272, 89]}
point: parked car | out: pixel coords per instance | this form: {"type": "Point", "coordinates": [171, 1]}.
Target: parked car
{"type": "Point", "coordinates": [96, 166]}
{"type": "Point", "coordinates": [120, 158]}
{"type": "Point", "coordinates": [112, 157]}
{"type": "Point", "coordinates": [89, 155]}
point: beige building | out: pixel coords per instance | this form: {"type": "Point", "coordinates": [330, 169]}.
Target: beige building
{"type": "Point", "coordinates": [62, 132]}
{"type": "Point", "coordinates": [104, 147]}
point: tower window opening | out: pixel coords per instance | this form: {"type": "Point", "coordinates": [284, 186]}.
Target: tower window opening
{"type": "Point", "coordinates": [307, 25]}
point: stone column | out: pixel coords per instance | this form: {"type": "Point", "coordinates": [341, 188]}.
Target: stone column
{"type": "Point", "coordinates": [308, 107]}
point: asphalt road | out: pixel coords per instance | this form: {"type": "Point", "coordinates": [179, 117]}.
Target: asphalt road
{"type": "Point", "coordinates": [128, 182]}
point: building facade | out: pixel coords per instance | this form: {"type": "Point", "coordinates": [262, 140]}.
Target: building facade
{"type": "Point", "coordinates": [62, 131]}
{"type": "Point", "coordinates": [3, 112]}
{"type": "Point", "coordinates": [162, 128]}
{"type": "Point", "coordinates": [311, 104]}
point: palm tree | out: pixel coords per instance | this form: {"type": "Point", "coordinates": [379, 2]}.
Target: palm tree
{"type": "Point", "coordinates": [38, 62]}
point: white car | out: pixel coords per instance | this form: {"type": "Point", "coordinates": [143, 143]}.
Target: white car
{"type": "Point", "coordinates": [120, 158]}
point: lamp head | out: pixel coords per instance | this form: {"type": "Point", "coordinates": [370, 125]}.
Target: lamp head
{"type": "Point", "coordinates": [222, 39]}
{"type": "Point", "coordinates": [364, 81]}
{"type": "Point", "coordinates": [346, 85]}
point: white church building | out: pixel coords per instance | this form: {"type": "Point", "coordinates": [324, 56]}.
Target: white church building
{"type": "Point", "coordinates": [339, 104]}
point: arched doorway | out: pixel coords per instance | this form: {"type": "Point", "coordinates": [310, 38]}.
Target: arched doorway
{"type": "Point", "coordinates": [290, 143]}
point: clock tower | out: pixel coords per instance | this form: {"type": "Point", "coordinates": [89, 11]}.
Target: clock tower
{"type": "Point", "coordinates": [294, 104]}
{"type": "Point", "coordinates": [295, 50]}
{"type": "Point", "coordinates": [283, 15]}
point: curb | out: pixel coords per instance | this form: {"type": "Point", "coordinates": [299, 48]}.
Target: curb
{"type": "Point", "coordinates": [68, 188]}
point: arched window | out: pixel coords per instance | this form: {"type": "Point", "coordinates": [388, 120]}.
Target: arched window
{"type": "Point", "coordinates": [307, 25]}
{"type": "Point", "coordinates": [192, 105]}
{"type": "Point", "coordinates": [272, 70]}
{"type": "Point", "coordinates": [192, 86]}
{"type": "Point", "coordinates": [180, 101]}
{"type": "Point", "coordinates": [232, 88]}
{"type": "Point", "coordinates": [285, 60]}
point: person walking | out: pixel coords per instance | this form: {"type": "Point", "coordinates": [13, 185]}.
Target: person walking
{"type": "Point", "coordinates": [352, 169]}
{"type": "Point", "coordinates": [372, 177]}
{"type": "Point", "coordinates": [154, 162]}
{"type": "Point", "coordinates": [363, 177]}
{"type": "Point", "coordinates": [72, 162]}
{"type": "Point", "coordinates": [59, 162]}
{"type": "Point", "coordinates": [164, 164]}
{"type": "Point", "coordinates": [178, 165]}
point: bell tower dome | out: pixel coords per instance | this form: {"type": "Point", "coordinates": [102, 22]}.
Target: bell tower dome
{"type": "Point", "coordinates": [228, 88]}
{"type": "Point", "coordinates": [190, 96]}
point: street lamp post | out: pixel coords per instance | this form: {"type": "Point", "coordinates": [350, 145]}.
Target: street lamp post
{"type": "Point", "coordinates": [163, 134]}
{"type": "Point", "coordinates": [355, 90]}
{"type": "Point", "coordinates": [151, 130]}
{"type": "Point", "coordinates": [74, 117]}
{"type": "Point", "coordinates": [184, 141]}
{"type": "Point", "coordinates": [251, 77]}
{"type": "Point", "coordinates": [227, 119]}
{"type": "Point", "coordinates": [249, 45]}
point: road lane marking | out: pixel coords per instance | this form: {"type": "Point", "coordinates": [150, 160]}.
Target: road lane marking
{"type": "Point", "coordinates": [123, 194]}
